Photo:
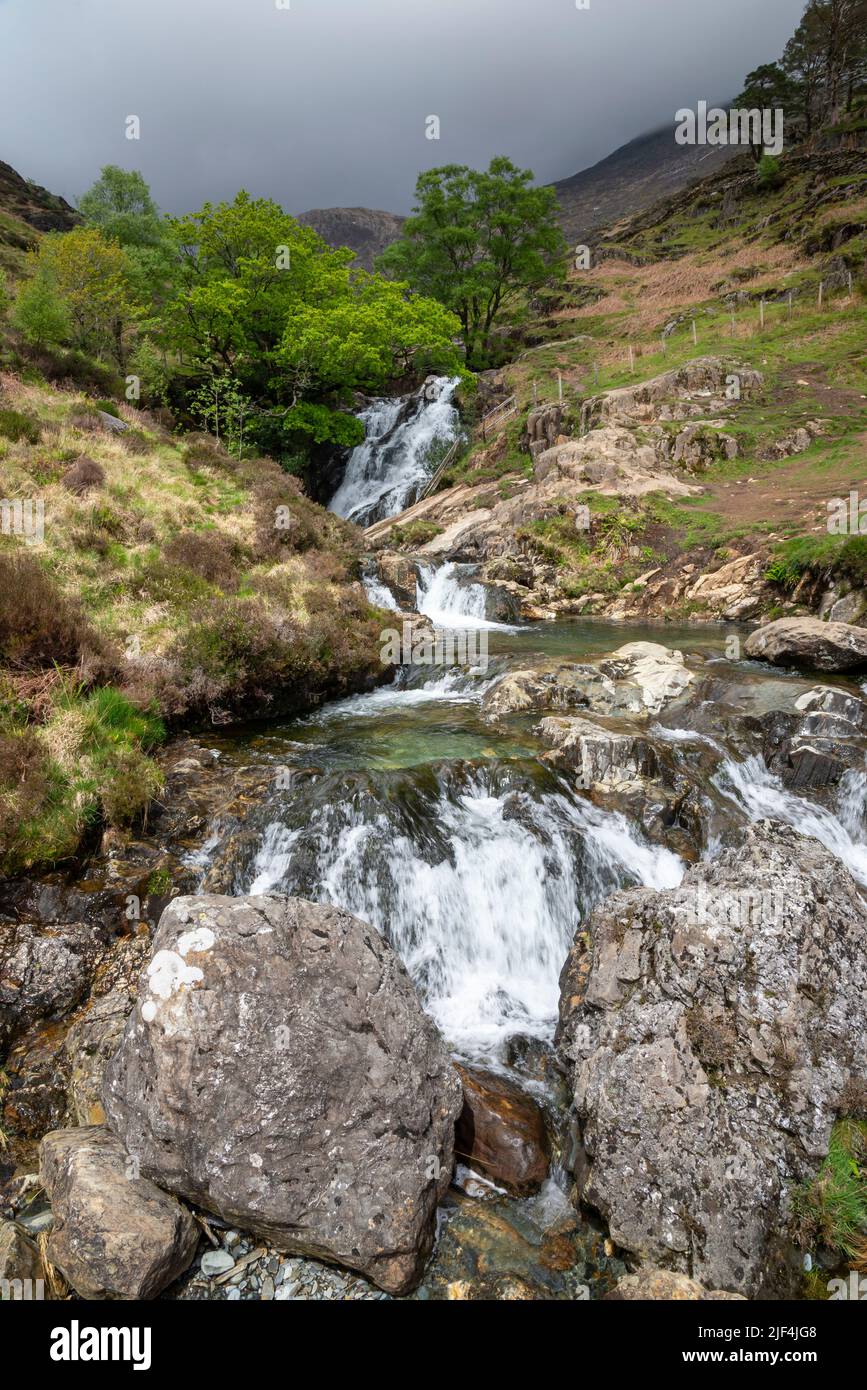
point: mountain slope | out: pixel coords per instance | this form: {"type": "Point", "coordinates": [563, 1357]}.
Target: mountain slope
{"type": "Point", "coordinates": [632, 178]}
{"type": "Point", "coordinates": [26, 209]}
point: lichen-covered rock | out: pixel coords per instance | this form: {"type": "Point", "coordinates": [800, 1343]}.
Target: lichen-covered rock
{"type": "Point", "coordinates": [809, 642]}
{"type": "Point", "coordinates": [279, 1071]}
{"type": "Point", "coordinates": [115, 1234]}
{"type": "Point", "coordinates": [638, 679]}
{"type": "Point", "coordinates": [20, 1266]}
{"type": "Point", "coordinates": [714, 1032]}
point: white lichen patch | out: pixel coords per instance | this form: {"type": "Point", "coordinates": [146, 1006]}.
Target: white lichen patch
{"type": "Point", "coordinates": [202, 939]}
{"type": "Point", "coordinates": [167, 973]}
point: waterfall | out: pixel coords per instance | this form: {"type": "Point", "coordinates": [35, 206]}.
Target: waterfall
{"type": "Point", "coordinates": [444, 595]}
{"type": "Point", "coordinates": [761, 795]}
{"type": "Point", "coordinates": [479, 881]}
{"type": "Point", "coordinates": [387, 472]}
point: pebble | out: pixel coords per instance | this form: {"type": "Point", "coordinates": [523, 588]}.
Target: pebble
{"type": "Point", "coordinates": [267, 1287]}
{"type": "Point", "coordinates": [216, 1262]}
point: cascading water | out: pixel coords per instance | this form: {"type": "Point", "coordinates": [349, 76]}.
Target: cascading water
{"type": "Point", "coordinates": [449, 599]}
{"type": "Point", "coordinates": [387, 472]}
{"type": "Point", "coordinates": [478, 876]}
{"type": "Point", "coordinates": [761, 795]}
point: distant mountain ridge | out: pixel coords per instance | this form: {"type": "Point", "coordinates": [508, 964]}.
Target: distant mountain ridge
{"type": "Point", "coordinates": [366, 231]}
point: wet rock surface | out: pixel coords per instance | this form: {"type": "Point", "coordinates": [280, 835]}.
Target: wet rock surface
{"type": "Point", "coordinates": [501, 1131]}
{"type": "Point", "coordinates": [278, 1070]}
{"type": "Point", "coordinates": [714, 1032]}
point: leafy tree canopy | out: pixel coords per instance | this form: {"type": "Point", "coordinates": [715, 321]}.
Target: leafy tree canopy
{"type": "Point", "coordinates": [479, 242]}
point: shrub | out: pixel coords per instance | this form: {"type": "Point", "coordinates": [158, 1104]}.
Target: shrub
{"type": "Point", "coordinates": [769, 175]}
{"type": "Point", "coordinates": [204, 451]}
{"type": "Point", "coordinates": [84, 474]}
{"type": "Point", "coordinates": [39, 626]}
{"type": "Point", "coordinates": [209, 554]}
{"type": "Point", "coordinates": [16, 426]}
{"type": "Point", "coordinates": [134, 441]}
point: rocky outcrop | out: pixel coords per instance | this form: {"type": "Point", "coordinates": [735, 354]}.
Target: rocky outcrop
{"type": "Point", "coordinates": [714, 1032]}
{"type": "Point", "coordinates": [501, 1132]}
{"type": "Point", "coordinates": [816, 744]}
{"type": "Point", "coordinates": [638, 679]}
{"type": "Point", "coordinates": [698, 388]}
{"type": "Point", "coordinates": [20, 1265]}
{"type": "Point", "coordinates": [279, 1071]}
{"type": "Point", "coordinates": [810, 642]}
{"type": "Point", "coordinates": [599, 757]}
{"type": "Point", "coordinates": [115, 1234]}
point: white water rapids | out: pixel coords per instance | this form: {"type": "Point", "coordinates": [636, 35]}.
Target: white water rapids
{"type": "Point", "coordinates": [485, 931]}
{"type": "Point", "coordinates": [762, 796]}
{"type": "Point", "coordinates": [450, 603]}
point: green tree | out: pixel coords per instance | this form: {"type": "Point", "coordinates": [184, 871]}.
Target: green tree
{"type": "Point", "coordinates": [265, 303]}
{"type": "Point", "coordinates": [91, 276]}
{"type": "Point", "coordinates": [40, 314]}
{"type": "Point", "coordinates": [121, 206]}
{"type": "Point", "coordinates": [767, 88]}
{"type": "Point", "coordinates": [479, 242]}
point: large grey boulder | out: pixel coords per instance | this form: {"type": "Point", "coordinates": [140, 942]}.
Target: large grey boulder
{"type": "Point", "coordinates": [115, 1234]}
{"type": "Point", "coordinates": [809, 642]}
{"type": "Point", "coordinates": [279, 1071]}
{"type": "Point", "coordinates": [714, 1033]}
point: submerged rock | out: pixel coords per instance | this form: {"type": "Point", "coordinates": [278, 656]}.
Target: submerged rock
{"type": "Point", "coordinates": [501, 1131]}
{"type": "Point", "coordinates": [714, 1032]}
{"type": "Point", "coordinates": [810, 642]}
{"type": "Point", "coordinates": [279, 1071]}
{"type": "Point", "coordinates": [661, 1285]}
{"type": "Point", "coordinates": [115, 1234]}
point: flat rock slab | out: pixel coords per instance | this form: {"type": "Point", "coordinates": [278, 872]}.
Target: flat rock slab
{"type": "Point", "coordinates": [115, 1234]}
{"type": "Point", "coordinates": [279, 1071]}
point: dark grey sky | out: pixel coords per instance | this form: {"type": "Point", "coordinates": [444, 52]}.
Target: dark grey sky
{"type": "Point", "coordinates": [324, 103]}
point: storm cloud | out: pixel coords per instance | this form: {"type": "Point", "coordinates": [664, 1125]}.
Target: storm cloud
{"type": "Point", "coordinates": [324, 102]}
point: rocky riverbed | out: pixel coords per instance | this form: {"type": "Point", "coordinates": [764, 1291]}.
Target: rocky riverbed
{"type": "Point", "coordinates": [477, 986]}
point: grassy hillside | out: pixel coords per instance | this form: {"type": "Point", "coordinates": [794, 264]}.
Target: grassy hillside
{"type": "Point", "coordinates": [174, 586]}
{"type": "Point", "coordinates": [729, 269]}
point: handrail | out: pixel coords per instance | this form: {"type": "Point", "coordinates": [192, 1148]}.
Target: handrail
{"type": "Point", "coordinates": [440, 470]}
